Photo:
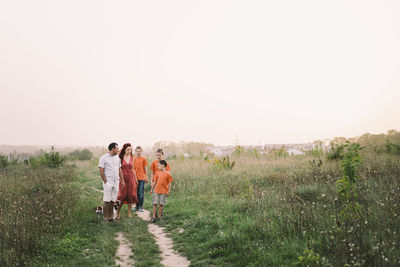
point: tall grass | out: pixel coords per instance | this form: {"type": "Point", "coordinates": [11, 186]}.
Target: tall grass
{"type": "Point", "coordinates": [271, 210]}
{"type": "Point", "coordinates": [34, 204]}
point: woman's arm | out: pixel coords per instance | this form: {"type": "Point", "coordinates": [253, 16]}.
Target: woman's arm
{"type": "Point", "coordinates": [134, 174]}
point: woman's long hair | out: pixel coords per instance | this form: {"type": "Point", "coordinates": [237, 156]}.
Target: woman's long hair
{"type": "Point", "coordinates": [122, 153]}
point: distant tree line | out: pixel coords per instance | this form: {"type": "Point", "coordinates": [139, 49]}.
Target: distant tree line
{"type": "Point", "coordinates": [51, 159]}
{"type": "Point", "coordinates": [84, 154]}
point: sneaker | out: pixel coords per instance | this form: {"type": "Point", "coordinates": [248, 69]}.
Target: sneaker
{"type": "Point", "coordinates": [140, 209]}
{"type": "Point", "coordinates": [160, 219]}
{"type": "Point", "coordinates": [153, 220]}
{"type": "Point", "coordinates": [135, 209]}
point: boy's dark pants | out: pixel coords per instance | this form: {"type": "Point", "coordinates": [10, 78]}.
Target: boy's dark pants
{"type": "Point", "coordinates": [140, 193]}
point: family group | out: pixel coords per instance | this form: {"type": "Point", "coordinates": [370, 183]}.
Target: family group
{"type": "Point", "coordinates": [124, 177]}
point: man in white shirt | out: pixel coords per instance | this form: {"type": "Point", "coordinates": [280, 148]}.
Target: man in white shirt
{"type": "Point", "coordinates": [111, 174]}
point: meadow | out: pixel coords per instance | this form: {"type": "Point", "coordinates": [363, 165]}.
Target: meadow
{"type": "Point", "coordinates": [330, 209]}
{"type": "Point", "coordinates": [336, 208]}
{"type": "Point", "coordinates": [285, 211]}
{"type": "Point", "coordinates": [47, 217]}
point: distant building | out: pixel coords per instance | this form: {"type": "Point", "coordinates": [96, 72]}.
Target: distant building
{"type": "Point", "coordinates": [220, 151]}
{"type": "Point", "coordinates": [216, 151]}
{"type": "Point", "coordinates": [294, 151]}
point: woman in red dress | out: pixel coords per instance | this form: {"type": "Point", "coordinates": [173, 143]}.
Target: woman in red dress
{"type": "Point", "coordinates": [127, 193]}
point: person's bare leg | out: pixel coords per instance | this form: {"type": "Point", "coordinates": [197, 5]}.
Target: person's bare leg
{"type": "Point", "coordinates": [160, 211]}
{"type": "Point", "coordinates": [105, 211]}
{"type": "Point", "coordinates": [118, 212]}
{"type": "Point", "coordinates": [111, 210]}
{"type": "Point", "coordinates": [129, 210]}
{"type": "Point", "coordinates": [154, 211]}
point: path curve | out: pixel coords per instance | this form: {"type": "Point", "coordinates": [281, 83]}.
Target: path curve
{"type": "Point", "coordinates": [170, 257]}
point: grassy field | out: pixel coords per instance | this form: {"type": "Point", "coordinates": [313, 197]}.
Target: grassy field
{"type": "Point", "coordinates": [285, 211]}
{"type": "Point", "coordinates": [266, 210]}
{"type": "Point", "coordinates": [85, 241]}
{"type": "Point", "coordinates": [77, 239]}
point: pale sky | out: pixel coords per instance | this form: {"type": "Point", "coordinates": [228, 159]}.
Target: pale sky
{"type": "Point", "coordinates": [91, 72]}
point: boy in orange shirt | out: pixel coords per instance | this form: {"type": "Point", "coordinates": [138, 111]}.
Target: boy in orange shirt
{"type": "Point", "coordinates": [154, 164]}
{"type": "Point", "coordinates": [140, 166]}
{"type": "Point", "coordinates": [162, 188]}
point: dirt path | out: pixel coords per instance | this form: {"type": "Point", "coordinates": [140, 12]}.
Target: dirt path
{"type": "Point", "coordinates": [124, 249]}
{"type": "Point", "coordinates": [95, 189]}
{"type": "Point", "coordinates": [123, 252]}
{"type": "Point", "coordinates": [169, 256]}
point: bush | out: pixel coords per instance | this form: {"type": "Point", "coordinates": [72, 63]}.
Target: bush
{"type": "Point", "coordinates": [13, 159]}
{"type": "Point", "coordinates": [336, 152]}
{"type": "Point", "coordinates": [3, 161]}
{"type": "Point", "coordinates": [84, 154]}
{"type": "Point", "coordinates": [224, 163]}
{"type": "Point", "coordinates": [51, 159]}
{"type": "Point", "coordinates": [392, 148]}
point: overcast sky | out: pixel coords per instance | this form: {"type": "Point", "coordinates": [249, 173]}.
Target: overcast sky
{"type": "Point", "coordinates": [91, 72]}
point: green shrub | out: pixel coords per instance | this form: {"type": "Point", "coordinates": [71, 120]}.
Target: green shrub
{"type": "Point", "coordinates": [336, 152]}
{"type": "Point", "coordinates": [13, 159]}
{"type": "Point", "coordinates": [347, 190]}
{"type": "Point", "coordinates": [392, 148]}
{"type": "Point", "coordinates": [84, 154]}
{"type": "Point", "coordinates": [224, 163]}
{"type": "Point", "coordinates": [3, 161]}
{"type": "Point", "coordinates": [309, 258]}
{"type": "Point", "coordinates": [51, 159]}
{"type": "Point", "coordinates": [316, 151]}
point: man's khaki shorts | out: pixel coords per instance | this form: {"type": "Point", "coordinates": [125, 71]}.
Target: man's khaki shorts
{"type": "Point", "coordinates": [159, 199]}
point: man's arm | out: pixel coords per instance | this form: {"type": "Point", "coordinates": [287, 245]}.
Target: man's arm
{"type": "Point", "coordinates": [102, 175]}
